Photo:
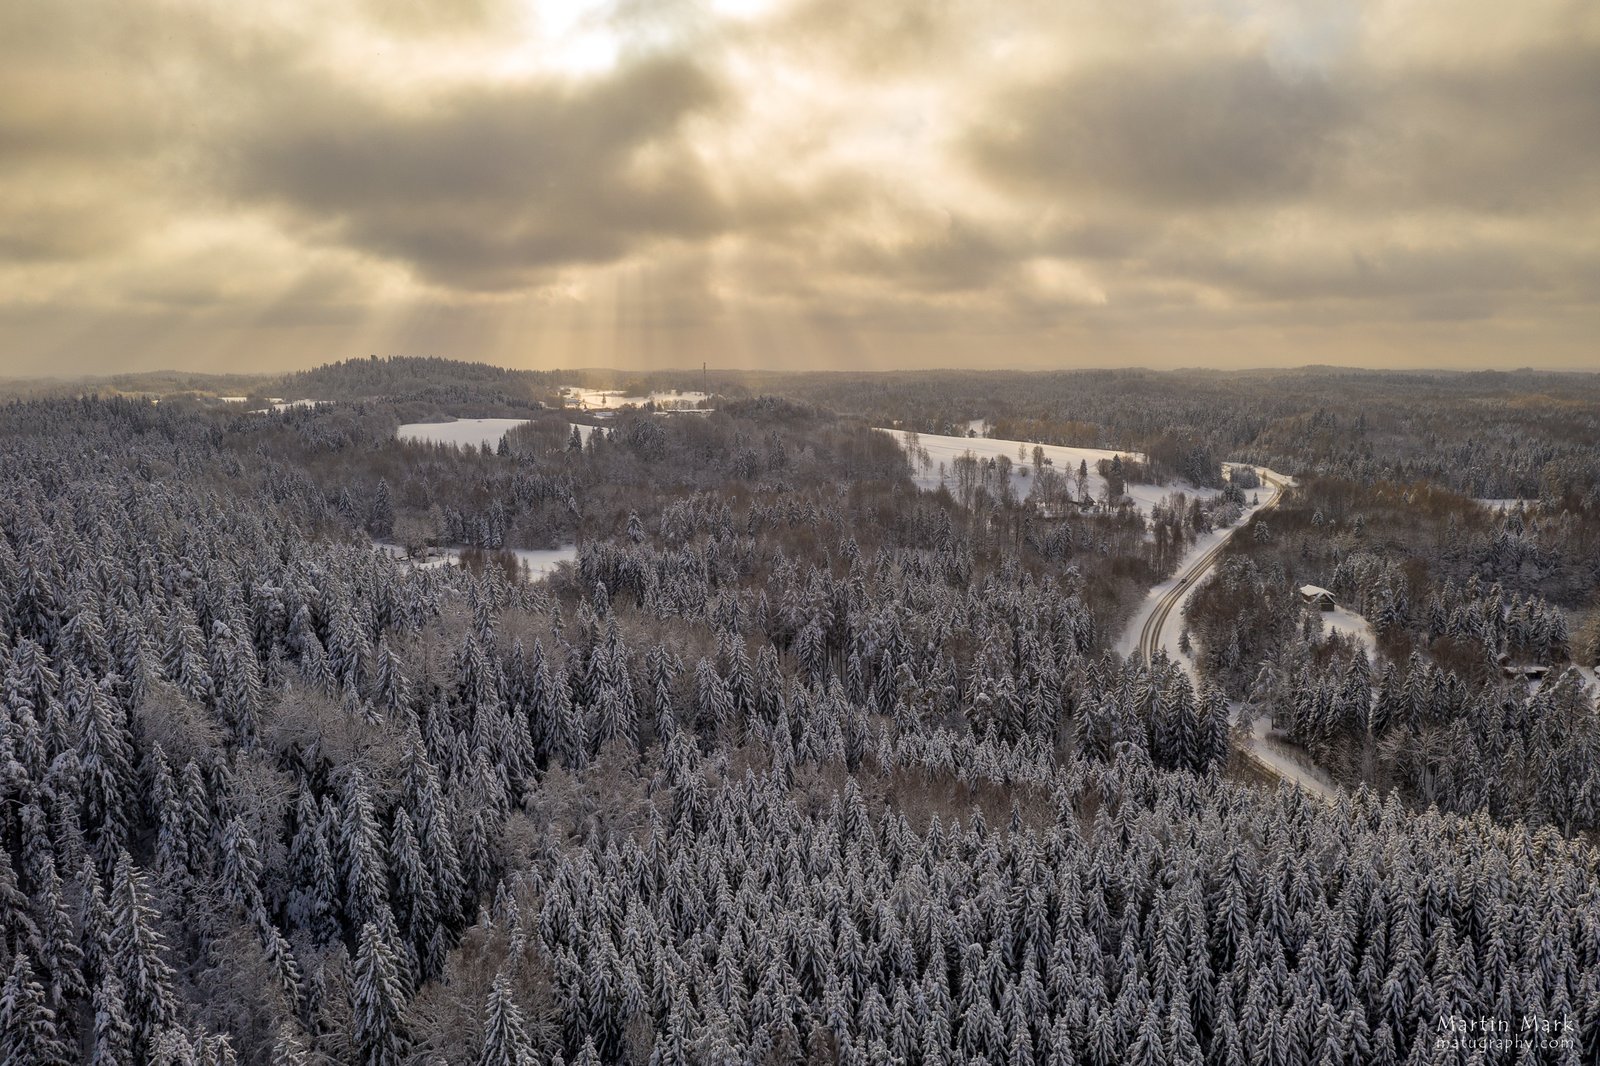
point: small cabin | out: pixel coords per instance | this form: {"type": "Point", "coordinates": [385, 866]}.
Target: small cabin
{"type": "Point", "coordinates": [1318, 597]}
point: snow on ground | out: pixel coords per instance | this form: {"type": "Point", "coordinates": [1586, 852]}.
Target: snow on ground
{"type": "Point", "coordinates": [610, 399]}
{"type": "Point", "coordinates": [463, 432]}
{"type": "Point", "coordinates": [1586, 678]}
{"type": "Point", "coordinates": [541, 562]}
{"type": "Point", "coordinates": [1506, 504]}
{"type": "Point", "coordinates": [1284, 762]}
{"type": "Point", "coordinates": [945, 450]}
{"type": "Point", "coordinates": [1349, 623]}
{"type": "Point", "coordinates": [279, 404]}
{"type": "Point", "coordinates": [1270, 749]}
{"type": "Point", "coordinates": [537, 563]}
{"type": "Point", "coordinates": [471, 432]}
{"type": "Point", "coordinates": [233, 399]}
{"type": "Point", "coordinates": [1128, 644]}
{"type": "Point", "coordinates": [1260, 743]}
{"type": "Point", "coordinates": [440, 557]}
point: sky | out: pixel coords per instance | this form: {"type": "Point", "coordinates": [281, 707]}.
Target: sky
{"type": "Point", "coordinates": [209, 185]}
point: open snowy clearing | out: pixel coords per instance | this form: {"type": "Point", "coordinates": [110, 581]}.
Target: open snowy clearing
{"type": "Point", "coordinates": [540, 563]}
{"type": "Point", "coordinates": [1346, 621]}
{"type": "Point", "coordinates": [610, 399]}
{"type": "Point", "coordinates": [469, 432]}
{"type": "Point", "coordinates": [943, 451]}
{"type": "Point", "coordinates": [463, 432]}
{"type": "Point", "coordinates": [537, 563]}
{"type": "Point", "coordinates": [279, 404]}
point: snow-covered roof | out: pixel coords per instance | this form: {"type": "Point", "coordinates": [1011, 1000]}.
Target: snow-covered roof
{"type": "Point", "coordinates": [1314, 590]}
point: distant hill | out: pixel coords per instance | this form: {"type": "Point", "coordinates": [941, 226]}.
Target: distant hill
{"type": "Point", "coordinates": [150, 383]}
{"type": "Point", "coordinates": [426, 379]}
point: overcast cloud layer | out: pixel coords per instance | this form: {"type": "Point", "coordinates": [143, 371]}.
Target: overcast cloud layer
{"type": "Point", "coordinates": [799, 183]}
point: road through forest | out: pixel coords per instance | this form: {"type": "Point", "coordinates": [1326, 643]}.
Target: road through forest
{"type": "Point", "coordinates": [1258, 746]}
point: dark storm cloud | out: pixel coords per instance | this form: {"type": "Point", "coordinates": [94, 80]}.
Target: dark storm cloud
{"type": "Point", "coordinates": [1511, 134]}
{"type": "Point", "coordinates": [81, 138]}
{"type": "Point", "coordinates": [1389, 271]}
{"type": "Point", "coordinates": [1515, 134]}
{"type": "Point", "coordinates": [1184, 132]}
{"type": "Point", "coordinates": [1432, 189]}
{"type": "Point", "coordinates": [489, 186]}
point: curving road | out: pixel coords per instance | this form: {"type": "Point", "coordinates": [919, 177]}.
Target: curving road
{"type": "Point", "coordinates": [1256, 747]}
{"type": "Point", "coordinates": [1150, 632]}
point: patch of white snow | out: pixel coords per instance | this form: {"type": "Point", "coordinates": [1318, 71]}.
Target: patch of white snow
{"type": "Point", "coordinates": [935, 465]}
{"type": "Point", "coordinates": [462, 433]}
{"type": "Point", "coordinates": [537, 563]}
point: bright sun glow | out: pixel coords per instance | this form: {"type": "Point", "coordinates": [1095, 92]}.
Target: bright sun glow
{"type": "Point", "coordinates": [744, 9]}
{"type": "Point", "coordinates": [574, 37]}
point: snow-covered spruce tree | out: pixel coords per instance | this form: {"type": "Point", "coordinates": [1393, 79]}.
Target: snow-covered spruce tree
{"type": "Point", "coordinates": [138, 960]}
{"type": "Point", "coordinates": [28, 1027]}
{"type": "Point", "coordinates": [377, 1002]}
{"type": "Point", "coordinates": [505, 1037]}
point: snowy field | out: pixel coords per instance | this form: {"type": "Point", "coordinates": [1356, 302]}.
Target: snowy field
{"type": "Point", "coordinates": [537, 563]}
{"type": "Point", "coordinates": [470, 432]}
{"type": "Point", "coordinates": [463, 432]}
{"type": "Point", "coordinates": [1507, 504]}
{"type": "Point", "coordinates": [277, 404]}
{"type": "Point", "coordinates": [574, 396]}
{"type": "Point", "coordinates": [945, 450]}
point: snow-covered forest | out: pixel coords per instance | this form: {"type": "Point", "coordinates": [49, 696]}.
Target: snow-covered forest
{"type": "Point", "coordinates": [1465, 603]}
{"type": "Point", "coordinates": [794, 763]}
{"type": "Point", "coordinates": [1492, 434]}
